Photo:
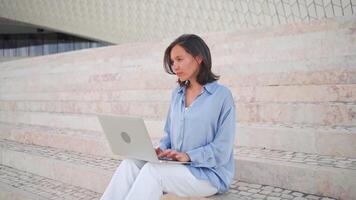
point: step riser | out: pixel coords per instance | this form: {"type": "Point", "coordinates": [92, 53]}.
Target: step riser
{"type": "Point", "coordinates": [150, 110]}
{"type": "Point", "coordinates": [76, 82]}
{"type": "Point", "coordinates": [326, 77]}
{"type": "Point", "coordinates": [312, 93]}
{"type": "Point", "coordinates": [71, 121]}
{"type": "Point", "coordinates": [73, 143]}
{"type": "Point", "coordinates": [292, 93]}
{"type": "Point", "coordinates": [291, 113]}
{"type": "Point", "coordinates": [311, 114]}
{"type": "Point", "coordinates": [139, 82]}
{"type": "Point", "coordinates": [335, 183]}
{"type": "Point", "coordinates": [288, 48]}
{"type": "Point", "coordinates": [308, 140]}
{"type": "Point", "coordinates": [110, 68]}
{"type": "Point", "coordinates": [80, 122]}
{"type": "Point", "coordinates": [309, 65]}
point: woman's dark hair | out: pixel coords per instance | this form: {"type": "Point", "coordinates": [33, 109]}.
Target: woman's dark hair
{"type": "Point", "coordinates": [195, 46]}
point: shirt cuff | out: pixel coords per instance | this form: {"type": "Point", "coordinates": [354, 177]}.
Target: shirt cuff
{"type": "Point", "coordinates": [195, 156]}
{"type": "Point", "coordinates": [163, 146]}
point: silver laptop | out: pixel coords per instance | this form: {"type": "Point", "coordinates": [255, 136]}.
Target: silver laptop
{"type": "Point", "coordinates": [128, 137]}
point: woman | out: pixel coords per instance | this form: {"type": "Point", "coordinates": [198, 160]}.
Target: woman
{"type": "Point", "coordinates": [200, 128]}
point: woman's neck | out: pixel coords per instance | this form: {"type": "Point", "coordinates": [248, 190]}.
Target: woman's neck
{"type": "Point", "coordinates": [194, 85]}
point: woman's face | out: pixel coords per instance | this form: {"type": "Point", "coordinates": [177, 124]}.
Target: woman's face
{"type": "Point", "coordinates": [184, 65]}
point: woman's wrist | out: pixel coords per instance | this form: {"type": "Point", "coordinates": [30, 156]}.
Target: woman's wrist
{"type": "Point", "coordinates": [188, 158]}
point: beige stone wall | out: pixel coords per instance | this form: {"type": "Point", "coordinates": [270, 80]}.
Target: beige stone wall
{"type": "Point", "coordinates": [134, 20]}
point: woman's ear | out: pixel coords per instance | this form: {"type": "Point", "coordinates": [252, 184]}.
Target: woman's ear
{"type": "Point", "coordinates": [199, 59]}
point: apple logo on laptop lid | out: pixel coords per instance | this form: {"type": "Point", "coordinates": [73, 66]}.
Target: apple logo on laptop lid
{"type": "Point", "coordinates": [125, 137]}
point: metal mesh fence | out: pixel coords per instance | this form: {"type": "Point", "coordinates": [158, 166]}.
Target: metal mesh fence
{"type": "Point", "coordinates": [256, 13]}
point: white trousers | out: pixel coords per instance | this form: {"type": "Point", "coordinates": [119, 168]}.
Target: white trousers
{"type": "Point", "coordinates": [135, 180]}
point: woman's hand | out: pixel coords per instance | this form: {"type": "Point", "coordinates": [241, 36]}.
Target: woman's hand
{"type": "Point", "coordinates": [158, 150]}
{"type": "Point", "coordinates": [175, 155]}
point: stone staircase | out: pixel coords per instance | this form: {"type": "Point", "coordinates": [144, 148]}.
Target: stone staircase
{"type": "Point", "coordinates": [293, 86]}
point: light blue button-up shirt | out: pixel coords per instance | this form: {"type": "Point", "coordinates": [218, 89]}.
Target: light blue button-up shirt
{"type": "Point", "coordinates": [205, 131]}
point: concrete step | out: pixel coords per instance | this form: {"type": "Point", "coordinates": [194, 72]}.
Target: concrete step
{"type": "Point", "coordinates": [312, 173]}
{"type": "Point", "coordinates": [320, 71]}
{"type": "Point", "coordinates": [149, 81]}
{"type": "Point", "coordinates": [324, 140]}
{"type": "Point", "coordinates": [280, 66]}
{"type": "Point", "coordinates": [84, 141]}
{"type": "Point", "coordinates": [323, 114]}
{"type": "Point", "coordinates": [22, 185]}
{"type": "Point", "coordinates": [81, 83]}
{"type": "Point", "coordinates": [20, 171]}
{"type": "Point", "coordinates": [83, 170]}
{"type": "Point", "coordinates": [284, 48]}
{"type": "Point", "coordinates": [242, 94]}
{"type": "Point", "coordinates": [64, 121]}
{"type": "Point", "coordinates": [40, 66]}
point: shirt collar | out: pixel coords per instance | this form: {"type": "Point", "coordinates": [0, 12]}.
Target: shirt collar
{"type": "Point", "coordinates": [209, 87]}
{"type": "Point", "coordinates": [181, 89]}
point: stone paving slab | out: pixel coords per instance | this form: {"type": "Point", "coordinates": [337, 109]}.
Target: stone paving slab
{"type": "Point", "coordinates": [42, 187]}
{"type": "Point", "coordinates": [46, 188]}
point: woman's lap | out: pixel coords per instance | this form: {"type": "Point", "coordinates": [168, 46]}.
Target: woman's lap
{"type": "Point", "coordinates": [177, 179]}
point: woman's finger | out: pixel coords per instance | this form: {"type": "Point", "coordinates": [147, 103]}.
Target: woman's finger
{"type": "Point", "coordinates": [182, 157]}
{"type": "Point", "coordinates": [172, 154]}
{"type": "Point", "coordinates": [164, 153]}
{"type": "Point", "coordinates": [176, 156]}
{"type": "Point", "coordinates": [158, 150]}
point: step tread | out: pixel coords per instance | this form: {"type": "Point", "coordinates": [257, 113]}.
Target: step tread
{"type": "Point", "coordinates": [295, 157]}
{"type": "Point", "coordinates": [52, 189]}
{"type": "Point", "coordinates": [60, 120]}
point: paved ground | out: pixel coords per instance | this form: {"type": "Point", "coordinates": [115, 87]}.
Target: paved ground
{"type": "Point", "coordinates": [43, 187]}
{"type": "Point", "coordinates": [51, 189]}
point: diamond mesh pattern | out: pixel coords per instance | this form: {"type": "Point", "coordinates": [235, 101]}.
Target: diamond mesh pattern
{"type": "Point", "coordinates": [142, 20]}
